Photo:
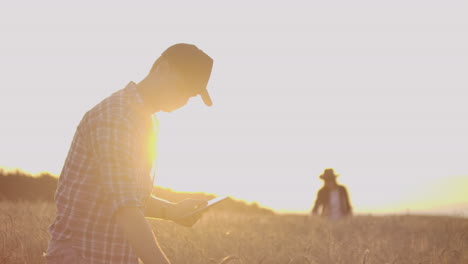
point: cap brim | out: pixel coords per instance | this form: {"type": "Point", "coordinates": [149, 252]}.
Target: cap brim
{"type": "Point", "coordinates": [206, 97]}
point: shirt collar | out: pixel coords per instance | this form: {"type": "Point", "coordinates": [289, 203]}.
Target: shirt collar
{"type": "Point", "coordinates": [138, 99]}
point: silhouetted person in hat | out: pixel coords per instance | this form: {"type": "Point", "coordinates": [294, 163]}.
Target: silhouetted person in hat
{"type": "Point", "coordinates": [332, 198]}
{"type": "Point", "coordinates": [104, 190]}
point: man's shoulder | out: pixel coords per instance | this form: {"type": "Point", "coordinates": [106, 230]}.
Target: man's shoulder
{"type": "Point", "coordinates": [342, 188]}
{"type": "Point", "coordinates": [115, 106]}
{"type": "Point", "coordinates": [322, 190]}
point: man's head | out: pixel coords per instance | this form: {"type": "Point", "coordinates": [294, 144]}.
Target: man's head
{"type": "Point", "coordinates": [329, 176]}
{"type": "Point", "coordinates": [181, 72]}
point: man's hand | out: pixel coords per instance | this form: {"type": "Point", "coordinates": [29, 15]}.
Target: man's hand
{"type": "Point", "coordinates": [176, 211]}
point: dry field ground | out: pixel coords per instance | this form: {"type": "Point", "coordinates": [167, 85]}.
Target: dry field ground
{"type": "Point", "coordinates": [239, 238]}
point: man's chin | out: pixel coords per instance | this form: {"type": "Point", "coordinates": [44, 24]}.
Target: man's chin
{"type": "Point", "coordinates": [168, 110]}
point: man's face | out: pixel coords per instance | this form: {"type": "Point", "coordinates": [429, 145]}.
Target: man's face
{"type": "Point", "coordinates": [330, 182]}
{"type": "Point", "coordinates": [177, 92]}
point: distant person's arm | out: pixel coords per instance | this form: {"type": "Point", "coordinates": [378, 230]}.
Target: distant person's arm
{"type": "Point", "coordinates": [160, 208]}
{"type": "Point", "coordinates": [317, 204]}
{"type": "Point", "coordinates": [140, 235]}
{"type": "Point", "coordinates": [349, 210]}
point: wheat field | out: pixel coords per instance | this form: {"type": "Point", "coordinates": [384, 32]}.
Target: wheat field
{"type": "Point", "coordinates": [234, 238]}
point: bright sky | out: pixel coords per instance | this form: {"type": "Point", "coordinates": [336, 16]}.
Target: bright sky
{"type": "Point", "coordinates": [375, 89]}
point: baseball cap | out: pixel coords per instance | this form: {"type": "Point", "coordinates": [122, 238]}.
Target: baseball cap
{"type": "Point", "coordinates": [195, 66]}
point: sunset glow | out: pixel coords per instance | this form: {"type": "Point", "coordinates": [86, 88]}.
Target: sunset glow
{"type": "Point", "coordinates": [376, 91]}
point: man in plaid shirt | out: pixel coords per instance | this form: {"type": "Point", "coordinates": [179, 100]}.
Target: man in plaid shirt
{"type": "Point", "coordinates": [104, 190]}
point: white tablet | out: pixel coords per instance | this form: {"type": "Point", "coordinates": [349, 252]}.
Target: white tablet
{"type": "Point", "coordinates": [209, 204]}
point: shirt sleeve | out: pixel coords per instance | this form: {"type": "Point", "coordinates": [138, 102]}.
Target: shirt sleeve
{"type": "Point", "coordinates": [116, 148]}
{"type": "Point", "coordinates": [318, 202]}
{"type": "Point", "coordinates": [349, 209]}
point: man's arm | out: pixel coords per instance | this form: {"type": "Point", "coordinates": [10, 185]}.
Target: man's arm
{"type": "Point", "coordinates": [140, 235]}
{"type": "Point", "coordinates": [318, 202]}
{"type": "Point", "coordinates": [116, 140]}
{"type": "Point", "coordinates": [160, 208]}
{"type": "Point", "coordinates": [349, 209]}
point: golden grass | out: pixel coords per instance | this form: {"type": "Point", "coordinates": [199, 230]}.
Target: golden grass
{"type": "Point", "coordinates": [263, 239]}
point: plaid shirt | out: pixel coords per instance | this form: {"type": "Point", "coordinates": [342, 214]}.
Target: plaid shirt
{"type": "Point", "coordinates": [108, 167]}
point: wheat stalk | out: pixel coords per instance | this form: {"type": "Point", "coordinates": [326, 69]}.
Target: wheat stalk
{"type": "Point", "coordinates": [365, 256]}
{"type": "Point", "coordinates": [229, 259]}
{"type": "Point", "coordinates": [300, 260]}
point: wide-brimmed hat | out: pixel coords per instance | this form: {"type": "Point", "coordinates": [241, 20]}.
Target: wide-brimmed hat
{"type": "Point", "coordinates": [328, 174]}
